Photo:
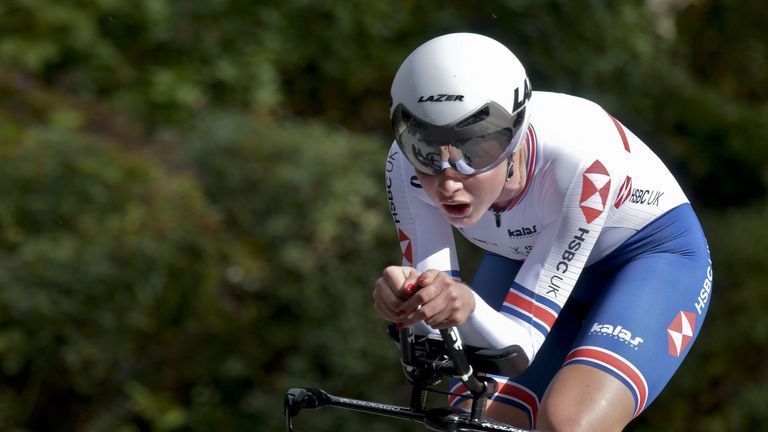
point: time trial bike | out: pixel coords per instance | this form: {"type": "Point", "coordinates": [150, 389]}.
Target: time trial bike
{"type": "Point", "coordinates": [426, 361]}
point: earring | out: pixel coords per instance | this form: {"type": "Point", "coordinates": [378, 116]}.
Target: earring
{"type": "Point", "coordinates": [510, 165]}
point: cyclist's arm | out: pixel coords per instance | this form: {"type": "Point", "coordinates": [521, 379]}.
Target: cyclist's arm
{"type": "Point", "coordinates": [426, 238]}
{"type": "Point", "coordinates": [550, 272]}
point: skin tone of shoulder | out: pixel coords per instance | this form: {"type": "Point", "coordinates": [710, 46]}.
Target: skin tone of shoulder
{"type": "Point", "coordinates": [579, 397]}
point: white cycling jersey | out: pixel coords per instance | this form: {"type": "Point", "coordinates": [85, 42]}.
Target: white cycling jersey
{"type": "Point", "coordinates": [590, 185]}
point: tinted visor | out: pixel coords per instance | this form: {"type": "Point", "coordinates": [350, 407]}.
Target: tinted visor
{"type": "Point", "coordinates": [471, 145]}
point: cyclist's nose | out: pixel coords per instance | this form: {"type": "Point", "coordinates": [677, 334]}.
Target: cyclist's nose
{"type": "Point", "coordinates": [449, 184]}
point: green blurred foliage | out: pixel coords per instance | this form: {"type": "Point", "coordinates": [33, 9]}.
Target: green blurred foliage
{"type": "Point", "coordinates": [305, 197]}
{"type": "Point", "coordinates": [132, 301]}
{"type": "Point", "coordinates": [722, 385]}
{"type": "Point", "coordinates": [192, 211]}
{"type": "Point", "coordinates": [104, 259]}
{"type": "Point", "coordinates": [721, 44]}
{"type": "Point", "coordinates": [158, 58]}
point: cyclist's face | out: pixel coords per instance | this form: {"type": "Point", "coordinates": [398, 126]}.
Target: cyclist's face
{"type": "Point", "coordinates": [464, 199]}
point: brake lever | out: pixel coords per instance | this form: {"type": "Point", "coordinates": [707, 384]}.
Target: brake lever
{"type": "Point", "coordinates": [298, 398]}
{"type": "Point", "coordinates": [288, 420]}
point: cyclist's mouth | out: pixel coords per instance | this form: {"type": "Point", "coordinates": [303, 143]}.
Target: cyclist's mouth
{"type": "Point", "coordinates": [456, 209]}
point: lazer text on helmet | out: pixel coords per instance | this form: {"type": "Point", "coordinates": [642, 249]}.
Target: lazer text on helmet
{"type": "Point", "coordinates": [441, 98]}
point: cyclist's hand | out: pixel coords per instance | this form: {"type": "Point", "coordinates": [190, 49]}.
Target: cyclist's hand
{"type": "Point", "coordinates": [440, 301]}
{"type": "Point", "coordinates": [392, 289]}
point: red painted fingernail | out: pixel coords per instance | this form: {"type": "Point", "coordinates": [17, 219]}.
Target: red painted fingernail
{"type": "Point", "coordinates": [409, 288]}
{"type": "Point", "coordinates": [421, 280]}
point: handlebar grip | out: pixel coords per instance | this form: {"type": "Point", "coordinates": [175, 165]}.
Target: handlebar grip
{"type": "Point", "coordinates": [298, 398]}
{"type": "Point", "coordinates": [407, 350]}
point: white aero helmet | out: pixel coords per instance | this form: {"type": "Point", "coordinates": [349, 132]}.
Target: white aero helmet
{"type": "Point", "coordinates": [459, 100]}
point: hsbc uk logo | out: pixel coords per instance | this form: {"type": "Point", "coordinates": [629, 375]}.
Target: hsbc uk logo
{"type": "Point", "coordinates": [680, 332]}
{"type": "Point", "coordinates": [406, 247]}
{"type": "Point", "coordinates": [596, 183]}
{"type": "Point", "coordinates": [645, 196]}
{"type": "Point", "coordinates": [706, 290]}
{"type": "Point", "coordinates": [625, 191]}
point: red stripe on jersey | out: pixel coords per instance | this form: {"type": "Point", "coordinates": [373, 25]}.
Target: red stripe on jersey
{"type": "Point", "coordinates": [625, 190]}
{"type": "Point", "coordinates": [621, 132]}
{"type": "Point", "coordinates": [522, 395]}
{"type": "Point", "coordinates": [617, 364]}
{"type": "Point", "coordinates": [506, 390]}
{"type": "Point", "coordinates": [525, 304]}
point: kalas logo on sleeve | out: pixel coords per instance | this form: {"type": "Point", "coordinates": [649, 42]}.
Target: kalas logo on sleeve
{"type": "Point", "coordinates": [596, 184]}
{"type": "Point", "coordinates": [522, 232]}
{"type": "Point", "coordinates": [618, 332]}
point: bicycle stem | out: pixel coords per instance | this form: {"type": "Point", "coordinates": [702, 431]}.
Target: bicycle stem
{"type": "Point", "coordinates": [456, 353]}
{"type": "Point", "coordinates": [480, 389]}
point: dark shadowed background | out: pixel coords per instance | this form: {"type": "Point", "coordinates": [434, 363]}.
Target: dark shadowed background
{"type": "Point", "coordinates": [192, 209]}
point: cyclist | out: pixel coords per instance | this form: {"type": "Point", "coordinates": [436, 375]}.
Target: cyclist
{"type": "Point", "coordinates": [595, 263]}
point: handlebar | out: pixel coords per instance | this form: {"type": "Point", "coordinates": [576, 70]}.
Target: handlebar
{"type": "Point", "coordinates": [437, 419]}
{"type": "Point", "coordinates": [424, 366]}
{"type": "Point", "coordinates": [298, 398]}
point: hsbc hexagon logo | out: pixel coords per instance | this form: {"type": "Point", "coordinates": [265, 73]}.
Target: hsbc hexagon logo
{"type": "Point", "coordinates": [625, 190]}
{"type": "Point", "coordinates": [596, 183]}
{"type": "Point", "coordinates": [405, 246]}
{"type": "Point", "coordinates": [680, 332]}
